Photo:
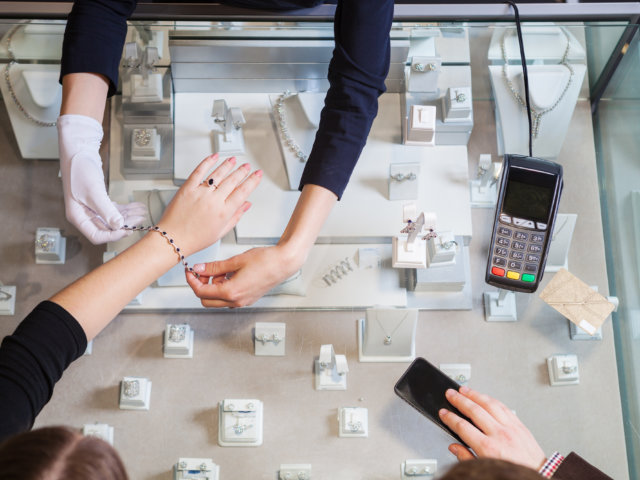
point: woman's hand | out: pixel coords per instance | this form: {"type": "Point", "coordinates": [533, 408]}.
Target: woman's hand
{"type": "Point", "coordinates": [242, 279]}
{"type": "Point", "coordinates": [203, 212]}
{"type": "Point", "coordinates": [496, 431]}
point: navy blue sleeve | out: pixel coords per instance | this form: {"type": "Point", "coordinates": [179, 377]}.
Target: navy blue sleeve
{"type": "Point", "coordinates": [94, 38]}
{"type": "Point", "coordinates": [32, 360]}
{"type": "Point", "coordinates": [357, 73]}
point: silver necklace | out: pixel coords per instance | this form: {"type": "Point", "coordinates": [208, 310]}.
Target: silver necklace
{"type": "Point", "coordinates": [281, 119]}
{"type": "Point", "coordinates": [7, 78]}
{"type": "Point", "coordinates": [388, 336]}
{"type": "Point", "coordinates": [537, 114]}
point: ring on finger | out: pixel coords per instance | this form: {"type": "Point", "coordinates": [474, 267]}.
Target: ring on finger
{"type": "Point", "coordinates": [210, 183]}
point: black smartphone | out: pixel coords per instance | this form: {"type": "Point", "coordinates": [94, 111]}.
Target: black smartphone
{"type": "Point", "coordinates": [526, 209]}
{"type": "Point", "coordinates": [423, 386]}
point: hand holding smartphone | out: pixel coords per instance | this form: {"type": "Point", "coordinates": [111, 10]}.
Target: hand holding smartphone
{"type": "Point", "coordinates": [423, 386]}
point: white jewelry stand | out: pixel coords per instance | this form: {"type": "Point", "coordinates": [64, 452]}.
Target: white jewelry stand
{"type": "Point", "coordinates": [423, 74]}
{"type": "Point", "coordinates": [7, 299]}
{"type": "Point", "coordinates": [442, 250]}
{"type": "Point", "coordinates": [149, 151]}
{"type": "Point", "coordinates": [419, 127]}
{"type": "Point", "coordinates": [456, 104]}
{"type": "Point", "coordinates": [140, 401]}
{"type": "Point", "coordinates": [404, 180]}
{"type": "Point", "coordinates": [178, 341]}
{"type": "Point", "coordinates": [500, 306]}
{"type": "Point", "coordinates": [50, 246]}
{"type": "Point", "coordinates": [460, 372]}
{"type": "Point", "coordinates": [207, 470]}
{"type": "Point", "coordinates": [331, 370]}
{"type": "Point", "coordinates": [382, 323]}
{"type": "Point", "coordinates": [269, 339]}
{"type": "Point", "coordinates": [484, 189]}
{"type": "Point", "coordinates": [422, 469]}
{"type": "Point", "coordinates": [240, 422]}
{"type": "Point", "coordinates": [558, 256]}
{"type": "Point", "coordinates": [38, 90]}
{"type": "Point", "coordinates": [228, 135]}
{"type": "Point", "coordinates": [410, 251]}
{"type": "Point", "coordinates": [563, 370]}
{"type": "Point", "coordinates": [546, 85]}
{"type": "Point", "coordinates": [353, 422]}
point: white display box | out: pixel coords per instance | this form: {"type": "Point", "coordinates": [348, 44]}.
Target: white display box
{"type": "Point", "coordinates": [353, 422]}
{"type": "Point", "coordinates": [423, 468]}
{"type": "Point", "coordinates": [134, 397]}
{"type": "Point", "coordinates": [50, 246]}
{"type": "Point", "coordinates": [457, 104]}
{"type": "Point", "coordinates": [269, 338]}
{"type": "Point", "coordinates": [441, 250]}
{"type": "Point", "coordinates": [100, 430]}
{"type": "Point", "coordinates": [178, 341]}
{"type": "Point", "coordinates": [240, 422]}
{"type": "Point", "coordinates": [459, 372]}
{"type": "Point", "coordinates": [146, 91]}
{"type": "Point", "coordinates": [8, 299]}
{"type": "Point", "coordinates": [421, 126]}
{"type": "Point", "coordinates": [294, 471]}
{"type": "Point", "coordinates": [404, 180]}
{"type": "Point", "coordinates": [563, 370]}
{"type": "Point", "coordinates": [145, 145]}
{"type": "Point", "coordinates": [196, 468]}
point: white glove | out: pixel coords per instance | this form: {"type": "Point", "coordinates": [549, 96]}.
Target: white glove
{"type": "Point", "coordinates": [87, 204]}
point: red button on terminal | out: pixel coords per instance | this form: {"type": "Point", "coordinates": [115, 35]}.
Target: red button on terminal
{"type": "Point", "coordinates": [498, 271]}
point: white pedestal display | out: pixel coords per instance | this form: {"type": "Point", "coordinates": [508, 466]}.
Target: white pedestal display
{"type": "Point", "coordinates": [563, 370]}
{"type": "Point", "coordinates": [422, 468]}
{"type": "Point", "coordinates": [178, 341]}
{"type": "Point", "coordinates": [146, 90]}
{"type": "Point", "coordinates": [456, 104]}
{"type": "Point", "coordinates": [269, 339]}
{"type": "Point", "coordinates": [331, 370]}
{"type": "Point", "coordinates": [353, 422]}
{"type": "Point", "coordinates": [7, 299]}
{"type": "Point", "coordinates": [50, 246]}
{"type": "Point", "coordinates": [145, 145]}
{"type": "Point", "coordinates": [240, 423]}
{"type": "Point", "coordinates": [387, 335]}
{"type": "Point", "coordinates": [227, 132]}
{"type": "Point", "coordinates": [135, 393]}
{"type": "Point", "coordinates": [441, 250]}
{"type": "Point", "coordinates": [558, 256]}
{"type": "Point", "coordinates": [409, 254]}
{"type": "Point", "coordinates": [500, 306]}
{"type": "Point", "coordinates": [100, 430]}
{"type": "Point", "coordinates": [420, 126]}
{"type": "Point", "coordinates": [484, 188]}
{"type": "Point", "coordinates": [196, 468]}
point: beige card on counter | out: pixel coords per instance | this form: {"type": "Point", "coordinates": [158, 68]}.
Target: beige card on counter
{"type": "Point", "coordinates": [577, 301]}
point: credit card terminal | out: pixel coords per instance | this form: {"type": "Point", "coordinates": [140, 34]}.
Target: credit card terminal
{"type": "Point", "coordinates": [526, 209]}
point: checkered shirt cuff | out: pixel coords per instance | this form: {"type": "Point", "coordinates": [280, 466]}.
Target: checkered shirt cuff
{"type": "Point", "coordinates": [551, 465]}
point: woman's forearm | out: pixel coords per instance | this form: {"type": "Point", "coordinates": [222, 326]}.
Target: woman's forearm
{"type": "Point", "coordinates": [95, 299]}
{"type": "Point", "coordinates": [84, 94]}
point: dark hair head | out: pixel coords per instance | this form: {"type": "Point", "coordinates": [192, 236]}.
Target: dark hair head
{"type": "Point", "coordinates": [490, 469]}
{"type": "Point", "coordinates": [59, 453]}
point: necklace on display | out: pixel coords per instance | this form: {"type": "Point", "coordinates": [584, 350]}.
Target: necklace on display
{"type": "Point", "coordinates": [281, 119]}
{"type": "Point", "coordinates": [388, 338]}
{"type": "Point", "coordinates": [12, 92]}
{"type": "Point", "coordinates": [537, 114]}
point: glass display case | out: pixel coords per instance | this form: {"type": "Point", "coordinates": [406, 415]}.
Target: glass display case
{"type": "Point", "coordinates": [197, 79]}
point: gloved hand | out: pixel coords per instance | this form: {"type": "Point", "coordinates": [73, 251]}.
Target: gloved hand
{"type": "Point", "coordinates": [87, 205]}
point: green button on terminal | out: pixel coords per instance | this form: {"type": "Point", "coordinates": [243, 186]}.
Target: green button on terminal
{"type": "Point", "coordinates": [527, 277]}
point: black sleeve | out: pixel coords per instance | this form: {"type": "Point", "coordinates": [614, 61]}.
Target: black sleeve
{"type": "Point", "coordinates": [94, 38]}
{"type": "Point", "coordinates": [574, 467]}
{"type": "Point", "coordinates": [357, 73]}
{"type": "Point", "coordinates": [32, 360]}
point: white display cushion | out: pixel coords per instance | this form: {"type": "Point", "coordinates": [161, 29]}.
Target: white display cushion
{"type": "Point", "coordinates": [291, 286]}
{"type": "Point", "coordinates": [512, 124]}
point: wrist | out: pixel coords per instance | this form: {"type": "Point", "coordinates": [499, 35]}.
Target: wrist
{"type": "Point", "coordinates": [293, 253]}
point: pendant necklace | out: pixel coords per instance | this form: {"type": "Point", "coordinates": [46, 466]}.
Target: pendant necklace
{"type": "Point", "coordinates": [537, 114]}
{"type": "Point", "coordinates": [388, 336]}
